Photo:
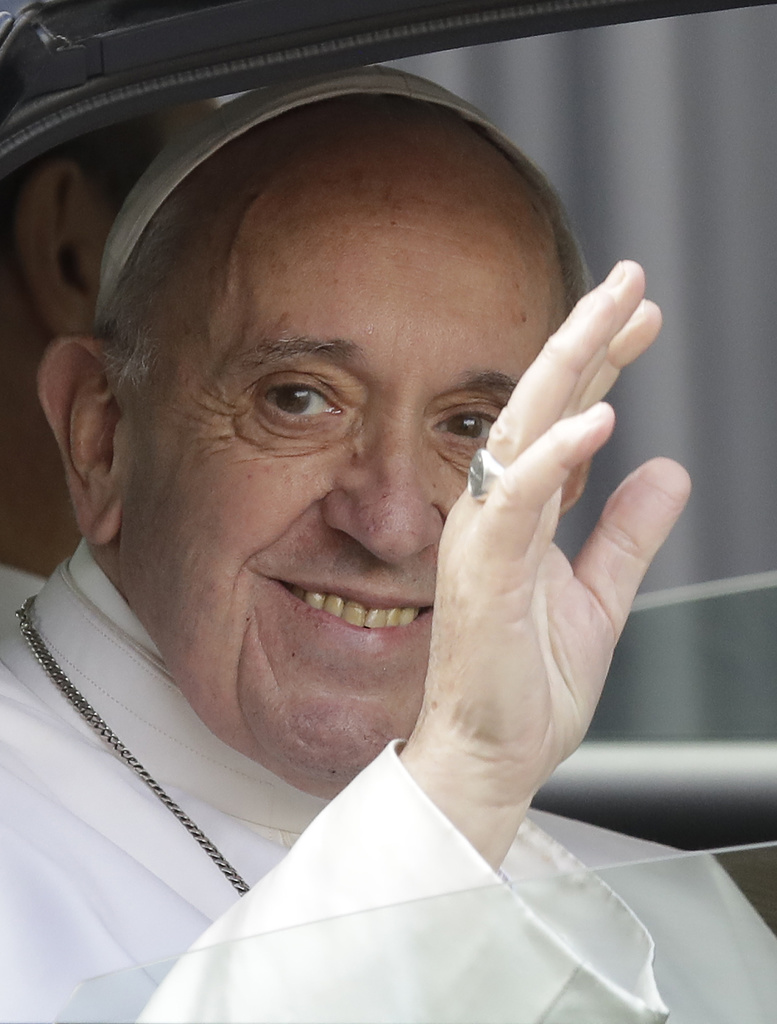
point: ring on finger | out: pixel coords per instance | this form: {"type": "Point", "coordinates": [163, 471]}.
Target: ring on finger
{"type": "Point", "coordinates": [484, 471]}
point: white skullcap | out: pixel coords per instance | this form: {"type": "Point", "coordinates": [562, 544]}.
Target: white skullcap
{"type": "Point", "coordinates": [227, 122]}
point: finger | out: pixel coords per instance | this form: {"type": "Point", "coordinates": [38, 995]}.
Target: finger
{"type": "Point", "coordinates": [512, 511]}
{"type": "Point", "coordinates": [634, 524]}
{"type": "Point", "coordinates": [629, 344]}
{"type": "Point", "coordinates": [574, 353]}
{"type": "Point", "coordinates": [639, 334]}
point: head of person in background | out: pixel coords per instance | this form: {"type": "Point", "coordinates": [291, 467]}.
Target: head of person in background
{"type": "Point", "coordinates": [55, 214]}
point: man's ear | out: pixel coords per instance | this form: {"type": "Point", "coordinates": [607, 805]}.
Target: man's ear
{"type": "Point", "coordinates": [61, 224]}
{"type": "Point", "coordinates": [84, 414]}
{"type": "Point", "coordinates": [574, 486]}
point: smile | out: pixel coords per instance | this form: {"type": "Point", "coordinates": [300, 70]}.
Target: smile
{"type": "Point", "coordinates": [354, 613]}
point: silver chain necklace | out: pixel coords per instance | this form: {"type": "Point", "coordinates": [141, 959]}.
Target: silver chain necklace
{"type": "Point", "coordinates": [50, 666]}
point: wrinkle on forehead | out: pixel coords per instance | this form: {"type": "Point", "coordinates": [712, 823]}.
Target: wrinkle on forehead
{"type": "Point", "coordinates": [304, 171]}
{"type": "Point", "coordinates": [266, 351]}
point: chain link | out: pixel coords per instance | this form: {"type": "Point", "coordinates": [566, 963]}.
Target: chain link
{"type": "Point", "coordinates": [52, 669]}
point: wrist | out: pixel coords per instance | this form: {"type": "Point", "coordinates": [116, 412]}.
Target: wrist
{"type": "Point", "coordinates": [470, 792]}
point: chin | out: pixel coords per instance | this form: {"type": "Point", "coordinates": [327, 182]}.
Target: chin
{"type": "Point", "coordinates": [325, 749]}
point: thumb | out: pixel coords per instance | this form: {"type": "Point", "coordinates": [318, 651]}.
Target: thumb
{"type": "Point", "coordinates": [635, 522]}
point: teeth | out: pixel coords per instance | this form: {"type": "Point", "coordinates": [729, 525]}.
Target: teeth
{"type": "Point", "coordinates": [334, 605]}
{"type": "Point", "coordinates": [376, 618]}
{"type": "Point", "coordinates": [355, 613]}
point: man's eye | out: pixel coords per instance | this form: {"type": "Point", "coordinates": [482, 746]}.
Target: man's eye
{"type": "Point", "coordinates": [298, 401]}
{"type": "Point", "coordinates": [468, 425]}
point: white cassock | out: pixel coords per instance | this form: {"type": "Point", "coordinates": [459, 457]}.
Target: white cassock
{"type": "Point", "coordinates": [97, 875]}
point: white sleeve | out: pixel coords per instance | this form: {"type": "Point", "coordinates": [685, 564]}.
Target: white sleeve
{"type": "Point", "coordinates": [474, 948]}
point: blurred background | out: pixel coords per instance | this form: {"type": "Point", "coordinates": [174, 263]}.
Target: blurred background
{"type": "Point", "coordinates": [662, 139]}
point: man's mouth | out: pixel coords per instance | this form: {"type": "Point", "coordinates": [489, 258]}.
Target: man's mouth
{"type": "Point", "coordinates": [355, 613]}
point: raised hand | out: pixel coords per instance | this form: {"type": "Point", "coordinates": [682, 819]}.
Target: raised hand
{"type": "Point", "coordinates": [522, 640]}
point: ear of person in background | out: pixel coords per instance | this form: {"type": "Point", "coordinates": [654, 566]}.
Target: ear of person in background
{"type": "Point", "coordinates": [55, 215]}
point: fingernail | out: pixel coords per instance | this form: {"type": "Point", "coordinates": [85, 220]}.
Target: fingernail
{"type": "Point", "coordinates": [597, 412]}
{"type": "Point", "coordinates": [616, 275]}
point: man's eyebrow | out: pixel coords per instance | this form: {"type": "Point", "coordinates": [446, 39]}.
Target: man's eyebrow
{"type": "Point", "coordinates": [269, 351]}
{"type": "Point", "coordinates": [500, 385]}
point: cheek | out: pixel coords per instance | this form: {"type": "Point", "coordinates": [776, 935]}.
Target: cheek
{"type": "Point", "coordinates": [189, 534]}
{"type": "Point", "coordinates": [247, 506]}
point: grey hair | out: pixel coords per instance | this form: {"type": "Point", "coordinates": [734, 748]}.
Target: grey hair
{"type": "Point", "coordinates": [124, 321]}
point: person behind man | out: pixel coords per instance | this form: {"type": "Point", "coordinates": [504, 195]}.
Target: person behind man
{"type": "Point", "coordinates": [312, 315]}
{"type": "Point", "coordinates": [55, 214]}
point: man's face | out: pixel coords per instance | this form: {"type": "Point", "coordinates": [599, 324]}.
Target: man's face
{"type": "Point", "coordinates": [333, 366]}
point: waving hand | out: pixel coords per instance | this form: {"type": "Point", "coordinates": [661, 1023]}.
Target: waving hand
{"type": "Point", "coordinates": [522, 639]}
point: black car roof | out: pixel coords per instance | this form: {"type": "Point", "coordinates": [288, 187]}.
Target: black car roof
{"type": "Point", "coordinates": [70, 66]}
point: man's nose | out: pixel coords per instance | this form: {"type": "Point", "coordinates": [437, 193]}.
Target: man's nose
{"type": "Point", "coordinates": [386, 499]}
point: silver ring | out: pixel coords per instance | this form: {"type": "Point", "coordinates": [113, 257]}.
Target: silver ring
{"type": "Point", "coordinates": [484, 471]}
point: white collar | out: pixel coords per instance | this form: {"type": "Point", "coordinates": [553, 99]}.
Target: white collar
{"type": "Point", "coordinates": [93, 584]}
{"type": "Point", "coordinates": [109, 656]}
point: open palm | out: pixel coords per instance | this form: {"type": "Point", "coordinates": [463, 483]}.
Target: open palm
{"type": "Point", "coordinates": [522, 639]}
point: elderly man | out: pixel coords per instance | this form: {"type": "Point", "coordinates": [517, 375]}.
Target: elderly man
{"type": "Point", "coordinates": [313, 314]}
